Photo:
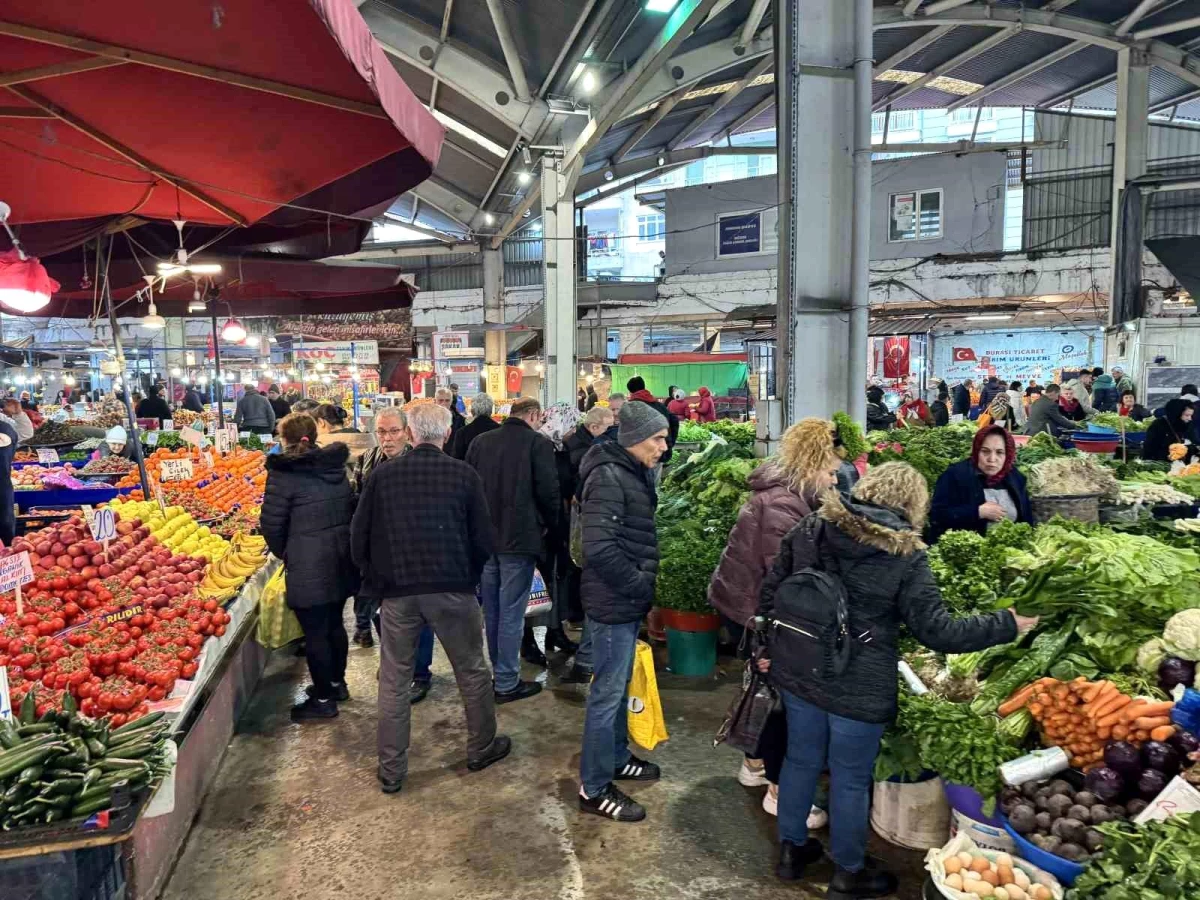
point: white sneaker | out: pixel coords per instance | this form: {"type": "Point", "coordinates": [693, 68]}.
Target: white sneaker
{"type": "Point", "coordinates": [771, 800]}
{"type": "Point", "coordinates": [817, 818]}
{"type": "Point", "coordinates": [752, 776]}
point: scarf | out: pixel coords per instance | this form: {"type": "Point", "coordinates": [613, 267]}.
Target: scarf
{"type": "Point", "coordinates": [560, 420]}
{"type": "Point", "coordinates": [1010, 453]}
{"type": "Point", "coordinates": [1068, 406]}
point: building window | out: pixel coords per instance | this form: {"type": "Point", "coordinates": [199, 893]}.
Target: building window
{"type": "Point", "coordinates": [966, 115]}
{"type": "Point", "coordinates": [900, 120]}
{"type": "Point", "coordinates": [652, 227]}
{"type": "Point", "coordinates": [915, 215]}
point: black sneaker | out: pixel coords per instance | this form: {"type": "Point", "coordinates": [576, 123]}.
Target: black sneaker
{"type": "Point", "coordinates": [389, 787]}
{"type": "Point", "coordinates": [873, 880]}
{"type": "Point", "coordinates": [341, 693]}
{"type": "Point", "coordinates": [363, 638]}
{"type": "Point", "coordinates": [613, 804]}
{"type": "Point", "coordinates": [312, 708]}
{"type": "Point", "coordinates": [577, 675]}
{"type": "Point", "coordinates": [794, 858]}
{"type": "Point", "coordinates": [520, 692]}
{"type": "Point", "coordinates": [638, 770]}
{"type": "Point", "coordinates": [499, 748]}
{"type": "Point", "coordinates": [417, 691]}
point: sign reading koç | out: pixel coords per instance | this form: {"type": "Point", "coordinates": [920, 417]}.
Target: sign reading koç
{"type": "Point", "coordinates": [338, 353]}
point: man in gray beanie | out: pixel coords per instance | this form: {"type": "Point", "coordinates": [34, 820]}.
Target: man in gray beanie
{"type": "Point", "coordinates": [620, 552]}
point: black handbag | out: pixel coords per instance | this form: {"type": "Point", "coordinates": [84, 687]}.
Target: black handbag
{"type": "Point", "coordinates": [747, 716]}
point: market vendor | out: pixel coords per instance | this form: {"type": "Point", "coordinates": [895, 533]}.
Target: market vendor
{"type": "Point", "coordinates": [978, 492]}
{"type": "Point", "coordinates": [21, 421]}
{"type": "Point", "coordinates": [116, 443]}
{"type": "Point", "coordinates": [1174, 427]}
{"type": "Point", "coordinates": [913, 411]}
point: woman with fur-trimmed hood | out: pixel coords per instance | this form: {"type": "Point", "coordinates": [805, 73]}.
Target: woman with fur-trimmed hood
{"type": "Point", "coordinates": [872, 540]}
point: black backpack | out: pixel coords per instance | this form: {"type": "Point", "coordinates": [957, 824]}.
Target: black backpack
{"type": "Point", "coordinates": [810, 629]}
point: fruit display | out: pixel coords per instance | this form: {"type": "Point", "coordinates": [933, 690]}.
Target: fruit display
{"type": "Point", "coordinates": [109, 465]}
{"type": "Point", "coordinates": [33, 476]}
{"type": "Point", "coordinates": [183, 417]}
{"type": "Point", "coordinates": [226, 576]}
{"type": "Point", "coordinates": [99, 420]}
{"type": "Point", "coordinates": [51, 433]}
{"type": "Point", "coordinates": [62, 765]}
{"type": "Point", "coordinates": [235, 481]}
{"type": "Point", "coordinates": [89, 443]}
{"type": "Point", "coordinates": [176, 529]}
{"type": "Point", "coordinates": [240, 520]}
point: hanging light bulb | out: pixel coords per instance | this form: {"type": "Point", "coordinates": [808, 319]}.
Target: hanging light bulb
{"type": "Point", "coordinates": [320, 367]}
{"type": "Point", "coordinates": [152, 319]}
{"type": "Point", "coordinates": [540, 368]}
{"type": "Point", "coordinates": [69, 380]}
{"type": "Point", "coordinates": [251, 340]}
{"type": "Point", "coordinates": [202, 380]}
{"type": "Point", "coordinates": [24, 283]}
{"type": "Point", "coordinates": [233, 331]}
{"type": "Point", "coordinates": [175, 373]}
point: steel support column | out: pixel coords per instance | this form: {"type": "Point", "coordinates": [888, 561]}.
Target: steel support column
{"type": "Point", "coordinates": [558, 279]}
{"type": "Point", "coordinates": [495, 342]}
{"type": "Point", "coordinates": [1131, 146]}
{"type": "Point", "coordinates": [815, 98]}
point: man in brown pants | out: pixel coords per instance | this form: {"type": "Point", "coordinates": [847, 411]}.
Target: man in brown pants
{"type": "Point", "coordinates": [421, 535]}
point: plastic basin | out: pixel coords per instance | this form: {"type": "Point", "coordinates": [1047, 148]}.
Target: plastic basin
{"type": "Point", "coordinates": [1100, 429]}
{"type": "Point", "coordinates": [968, 802]}
{"type": "Point", "coordinates": [691, 652]}
{"type": "Point", "coordinates": [1097, 446]}
{"type": "Point", "coordinates": [1062, 869]}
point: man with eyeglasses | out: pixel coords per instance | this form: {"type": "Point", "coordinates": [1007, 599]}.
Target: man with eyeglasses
{"type": "Point", "coordinates": [390, 430]}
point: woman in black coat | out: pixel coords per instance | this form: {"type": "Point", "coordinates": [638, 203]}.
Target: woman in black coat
{"type": "Point", "coordinates": [872, 540]}
{"type": "Point", "coordinates": [1174, 427]}
{"type": "Point", "coordinates": [978, 492]}
{"type": "Point", "coordinates": [305, 518]}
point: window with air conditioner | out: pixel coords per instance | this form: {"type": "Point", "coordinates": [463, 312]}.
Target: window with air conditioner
{"type": "Point", "coordinates": [915, 215]}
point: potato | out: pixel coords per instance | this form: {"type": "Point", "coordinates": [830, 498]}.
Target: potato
{"type": "Point", "coordinates": [1003, 859]}
{"type": "Point", "coordinates": [980, 889]}
{"type": "Point", "coordinates": [954, 881]}
{"type": "Point", "coordinates": [980, 864]}
{"type": "Point", "coordinates": [1005, 871]}
{"type": "Point", "coordinates": [952, 864]}
{"type": "Point", "coordinates": [990, 877]}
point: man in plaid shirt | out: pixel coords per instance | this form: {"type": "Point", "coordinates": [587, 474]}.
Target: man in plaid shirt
{"type": "Point", "coordinates": [421, 535]}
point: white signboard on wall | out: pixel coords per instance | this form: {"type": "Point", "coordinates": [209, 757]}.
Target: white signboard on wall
{"type": "Point", "coordinates": [1014, 356]}
{"type": "Point", "coordinates": [338, 353]}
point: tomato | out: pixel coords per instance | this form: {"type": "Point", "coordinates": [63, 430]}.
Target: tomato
{"type": "Point", "coordinates": [117, 720]}
{"type": "Point", "coordinates": [189, 670]}
{"type": "Point", "coordinates": [220, 630]}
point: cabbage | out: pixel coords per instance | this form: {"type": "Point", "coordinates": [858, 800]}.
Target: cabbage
{"type": "Point", "coordinates": [1150, 655]}
{"type": "Point", "coordinates": [1182, 634]}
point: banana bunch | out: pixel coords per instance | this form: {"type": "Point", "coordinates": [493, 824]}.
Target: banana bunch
{"type": "Point", "coordinates": [249, 544]}
{"type": "Point", "coordinates": [226, 576]}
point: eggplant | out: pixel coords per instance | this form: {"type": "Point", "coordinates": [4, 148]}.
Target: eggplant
{"type": "Point", "coordinates": [1151, 784]}
{"type": "Point", "coordinates": [1173, 671]}
{"type": "Point", "coordinates": [1105, 783]}
{"type": "Point", "coordinates": [1124, 759]}
{"type": "Point", "coordinates": [1161, 757]}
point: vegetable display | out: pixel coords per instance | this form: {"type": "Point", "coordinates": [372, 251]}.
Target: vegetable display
{"type": "Point", "coordinates": [1066, 476]}
{"type": "Point", "coordinates": [1156, 861]}
{"type": "Point", "coordinates": [998, 875]}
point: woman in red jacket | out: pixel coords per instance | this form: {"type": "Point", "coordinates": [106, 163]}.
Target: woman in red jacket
{"type": "Point", "coordinates": [784, 491]}
{"type": "Point", "coordinates": [706, 409]}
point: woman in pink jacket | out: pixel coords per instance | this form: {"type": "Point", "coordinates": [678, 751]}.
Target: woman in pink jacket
{"type": "Point", "coordinates": [706, 409]}
{"type": "Point", "coordinates": [784, 491]}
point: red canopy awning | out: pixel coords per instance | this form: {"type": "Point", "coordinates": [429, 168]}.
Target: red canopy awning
{"type": "Point", "coordinates": [217, 113]}
{"type": "Point", "coordinates": [248, 287]}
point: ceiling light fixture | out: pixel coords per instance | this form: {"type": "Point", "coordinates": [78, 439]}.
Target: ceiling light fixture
{"type": "Point", "coordinates": [152, 319]}
{"type": "Point", "coordinates": [660, 6]}
{"type": "Point", "coordinates": [24, 283]}
{"type": "Point", "coordinates": [251, 340]}
{"type": "Point", "coordinates": [233, 331]}
{"type": "Point", "coordinates": [988, 318]}
{"type": "Point", "coordinates": [587, 83]}
{"type": "Point", "coordinates": [523, 177]}
{"type": "Point", "coordinates": [489, 219]}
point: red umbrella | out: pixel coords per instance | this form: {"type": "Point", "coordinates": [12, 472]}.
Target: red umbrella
{"type": "Point", "coordinates": [216, 113]}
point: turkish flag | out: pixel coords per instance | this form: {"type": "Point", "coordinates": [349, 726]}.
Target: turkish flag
{"type": "Point", "coordinates": [964, 354]}
{"type": "Point", "coordinates": [895, 357]}
{"type": "Point", "coordinates": [513, 377]}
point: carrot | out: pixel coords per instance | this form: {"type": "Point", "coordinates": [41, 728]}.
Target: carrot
{"type": "Point", "coordinates": [1110, 704]}
{"type": "Point", "coordinates": [1036, 709]}
{"type": "Point", "coordinates": [1104, 732]}
{"type": "Point", "coordinates": [1120, 732]}
{"type": "Point", "coordinates": [1153, 710]}
{"type": "Point", "coordinates": [1015, 702]}
{"type": "Point", "coordinates": [1089, 691]}
{"type": "Point", "coordinates": [1141, 735]}
{"type": "Point", "coordinates": [1108, 721]}
{"type": "Point", "coordinates": [1134, 709]}
{"type": "Point", "coordinates": [1162, 732]}
{"type": "Point", "coordinates": [1107, 689]}
{"type": "Point", "coordinates": [1148, 723]}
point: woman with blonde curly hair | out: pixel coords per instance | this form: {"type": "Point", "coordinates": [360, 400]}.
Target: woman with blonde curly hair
{"type": "Point", "coordinates": [870, 542]}
{"type": "Point", "coordinates": [783, 491]}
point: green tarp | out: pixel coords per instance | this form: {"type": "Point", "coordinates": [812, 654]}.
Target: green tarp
{"type": "Point", "coordinates": [718, 377]}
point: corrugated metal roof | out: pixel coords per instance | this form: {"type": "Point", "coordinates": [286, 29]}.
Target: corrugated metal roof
{"type": "Point", "coordinates": [879, 327]}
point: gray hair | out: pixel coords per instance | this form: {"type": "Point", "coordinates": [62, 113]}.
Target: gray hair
{"type": "Point", "coordinates": [443, 393]}
{"type": "Point", "coordinates": [612, 397]}
{"type": "Point", "coordinates": [429, 424]}
{"type": "Point", "coordinates": [391, 412]}
{"type": "Point", "coordinates": [304, 405]}
{"type": "Point", "coordinates": [597, 414]}
{"type": "Point", "coordinates": [482, 405]}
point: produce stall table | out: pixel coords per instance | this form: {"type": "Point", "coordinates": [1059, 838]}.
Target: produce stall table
{"type": "Point", "coordinates": [133, 857]}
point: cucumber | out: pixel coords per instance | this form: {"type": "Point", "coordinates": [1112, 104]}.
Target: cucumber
{"type": "Point", "coordinates": [95, 747]}
{"type": "Point", "coordinates": [136, 725]}
{"type": "Point", "coordinates": [29, 775]}
{"type": "Point", "coordinates": [15, 764]}
{"type": "Point", "coordinates": [114, 764]}
{"type": "Point", "coordinates": [8, 735]}
{"type": "Point", "coordinates": [92, 806]}
{"type": "Point", "coordinates": [40, 728]}
{"type": "Point", "coordinates": [16, 793]}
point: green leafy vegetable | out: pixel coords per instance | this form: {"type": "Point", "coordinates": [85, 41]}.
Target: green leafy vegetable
{"type": "Point", "coordinates": [851, 436]}
{"type": "Point", "coordinates": [1038, 448]}
{"type": "Point", "coordinates": [1045, 649]}
{"type": "Point", "coordinates": [1156, 861]}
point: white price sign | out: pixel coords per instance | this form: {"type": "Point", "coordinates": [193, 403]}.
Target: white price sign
{"type": "Point", "coordinates": [15, 571]}
{"type": "Point", "coordinates": [208, 459]}
{"type": "Point", "coordinates": [151, 438]}
{"type": "Point", "coordinates": [5, 701]}
{"type": "Point", "coordinates": [48, 456]}
{"type": "Point", "coordinates": [103, 524]}
{"type": "Point", "coordinates": [175, 470]}
{"type": "Point", "coordinates": [168, 424]}
{"type": "Point", "coordinates": [224, 445]}
{"type": "Point", "coordinates": [232, 430]}
{"type": "Point", "coordinates": [190, 435]}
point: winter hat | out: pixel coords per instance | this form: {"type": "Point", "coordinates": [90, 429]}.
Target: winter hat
{"type": "Point", "coordinates": [116, 435]}
{"type": "Point", "coordinates": [638, 421]}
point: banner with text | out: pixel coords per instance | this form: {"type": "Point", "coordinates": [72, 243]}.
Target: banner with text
{"type": "Point", "coordinates": [1013, 356]}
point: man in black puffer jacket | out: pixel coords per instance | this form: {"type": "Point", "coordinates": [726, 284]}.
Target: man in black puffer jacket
{"type": "Point", "coordinates": [620, 552]}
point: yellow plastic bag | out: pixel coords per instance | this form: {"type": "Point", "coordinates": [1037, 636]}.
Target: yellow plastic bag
{"type": "Point", "coordinates": [647, 727]}
{"type": "Point", "coordinates": [277, 625]}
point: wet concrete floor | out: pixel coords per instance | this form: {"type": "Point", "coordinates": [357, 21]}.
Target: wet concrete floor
{"type": "Point", "coordinates": [296, 811]}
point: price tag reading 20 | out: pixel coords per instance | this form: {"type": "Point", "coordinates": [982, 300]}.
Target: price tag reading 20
{"type": "Point", "coordinates": [175, 470]}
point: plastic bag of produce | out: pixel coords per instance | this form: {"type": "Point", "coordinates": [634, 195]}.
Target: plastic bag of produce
{"type": "Point", "coordinates": [647, 727]}
{"type": "Point", "coordinates": [277, 625]}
